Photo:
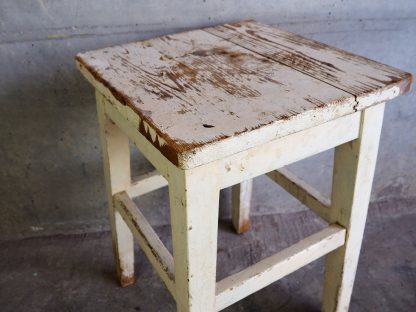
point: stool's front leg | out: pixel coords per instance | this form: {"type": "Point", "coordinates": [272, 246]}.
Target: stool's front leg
{"type": "Point", "coordinates": [354, 166]}
{"type": "Point", "coordinates": [116, 159]}
{"type": "Point", "coordinates": [194, 197]}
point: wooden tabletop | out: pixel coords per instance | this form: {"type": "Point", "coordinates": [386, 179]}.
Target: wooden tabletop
{"type": "Point", "coordinates": [216, 91]}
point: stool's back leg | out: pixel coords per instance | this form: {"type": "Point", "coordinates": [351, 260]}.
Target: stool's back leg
{"type": "Point", "coordinates": [354, 166]}
{"type": "Point", "coordinates": [241, 200]}
{"type": "Point", "coordinates": [194, 198]}
{"type": "Point", "coordinates": [116, 159]}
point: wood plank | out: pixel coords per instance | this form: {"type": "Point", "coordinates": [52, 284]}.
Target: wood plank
{"type": "Point", "coordinates": [281, 152]}
{"type": "Point", "coordinates": [302, 191]}
{"type": "Point", "coordinates": [146, 183]}
{"type": "Point", "coordinates": [241, 202]}
{"type": "Point", "coordinates": [194, 199]}
{"type": "Point", "coordinates": [194, 90]}
{"type": "Point", "coordinates": [198, 97]}
{"type": "Point", "coordinates": [152, 246]}
{"type": "Point", "coordinates": [269, 270]}
{"type": "Point", "coordinates": [116, 161]}
{"type": "Point", "coordinates": [126, 120]}
{"type": "Point", "coordinates": [354, 166]}
{"type": "Point", "coordinates": [369, 81]}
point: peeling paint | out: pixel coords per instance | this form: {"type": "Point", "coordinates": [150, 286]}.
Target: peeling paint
{"type": "Point", "coordinates": [197, 88]}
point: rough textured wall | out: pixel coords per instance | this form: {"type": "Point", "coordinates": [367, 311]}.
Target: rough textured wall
{"type": "Point", "coordinates": [51, 177]}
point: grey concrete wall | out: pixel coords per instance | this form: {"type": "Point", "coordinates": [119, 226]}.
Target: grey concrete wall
{"type": "Point", "coordinates": [51, 177]}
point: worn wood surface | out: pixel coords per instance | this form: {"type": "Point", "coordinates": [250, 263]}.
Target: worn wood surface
{"type": "Point", "coordinates": [241, 202]}
{"type": "Point", "coordinates": [363, 78]}
{"type": "Point", "coordinates": [116, 161]}
{"type": "Point", "coordinates": [302, 191]}
{"type": "Point", "coordinates": [289, 149]}
{"type": "Point", "coordinates": [146, 183]}
{"type": "Point", "coordinates": [194, 200]}
{"type": "Point", "coordinates": [212, 108]}
{"type": "Point", "coordinates": [354, 165]}
{"type": "Point", "coordinates": [243, 83]}
{"type": "Point", "coordinates": [263, 273]}
{"type": "Point", "coordinates": [194, 217]}
{"type": "Point", "coordinates": [149, 241]}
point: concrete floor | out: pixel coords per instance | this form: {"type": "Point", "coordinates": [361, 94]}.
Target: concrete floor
{"type": "Point", "coordinates": [76, 273]}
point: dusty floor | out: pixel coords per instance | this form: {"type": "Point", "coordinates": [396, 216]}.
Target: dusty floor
{"type": "Point", "coordinates": [76, 273]}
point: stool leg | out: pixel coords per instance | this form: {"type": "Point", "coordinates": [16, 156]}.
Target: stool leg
{"type": "Point", "coordinates": [194, 198]}
{"type": "Point", "coordinates": [354, 166]}
{"type": "Point", "coordinates": [241, 200]}
{"type": "Point", "coordinates": [116, 159]}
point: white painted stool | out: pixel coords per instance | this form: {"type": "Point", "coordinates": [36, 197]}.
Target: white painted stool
{"type": "Point", "coordinates": [216, 107]}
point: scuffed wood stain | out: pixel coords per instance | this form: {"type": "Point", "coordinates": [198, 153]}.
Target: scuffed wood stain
{"type": "Point", "coordinates": [199, 87]}
{"type": "Point", "coordinates": [339, 68]}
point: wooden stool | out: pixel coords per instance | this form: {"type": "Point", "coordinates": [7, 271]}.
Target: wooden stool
{"type": "Point", "coordinates": [216, 107]}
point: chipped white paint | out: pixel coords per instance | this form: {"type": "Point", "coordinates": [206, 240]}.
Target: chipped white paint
{"type": "Point", "coordinates": [354, 165]}
{"type": "Point", "coordinates": [263, 273]}
{"type": "Point", "coordinates": [146, 183]}
{"type": "Point", "coordinates": [354, 74]}
{"type": "Point", "coordinates": [209, 113]}
{"type": "Point", "coordinates": [302, 191]}
{"type": "Point", "coordinates": [122, 115]}
{"type": "Point", "coordinates": [188, 211]}
{"type": "Point", "coordinates": [247, 98]}
{"type": "Point", "coordinates": [378, 96]}
{"type": "Point", "coordinates": [281, 152]}
{"type": "Point", "coordinates": [150, 243]}
{"type": "Point", "coordinates": [116, 160]}
{"type": "Point", "coordinates": [244, 163]}
{"type": "Point", "coordinates": [241, 201]}
{"type": "Point", "coordinates": [194, 198]}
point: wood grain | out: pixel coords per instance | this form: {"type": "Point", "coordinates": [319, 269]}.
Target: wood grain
{"type": "Point", "coordinates": [158, 255]}
{"type": "Point", "coordinates": [238, 286]}
{"type": "Point", "coordinates": [192, 91]}
{"type": "Point", "coordinates": [354, 74]}
{"type": "Point", "coordinates": [354, 165]}
{"type": "Point", "coordinates": [116, 161]}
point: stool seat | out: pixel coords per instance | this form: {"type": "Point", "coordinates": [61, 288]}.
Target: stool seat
{"type": "Point", "coordinates": [209, 93]}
